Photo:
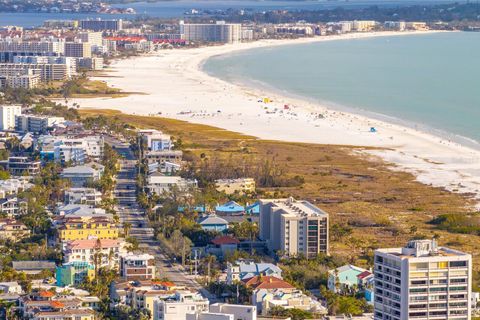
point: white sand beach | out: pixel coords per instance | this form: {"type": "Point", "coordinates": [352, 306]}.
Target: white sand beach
{"type": "Point", "coordinates": [174, 86]}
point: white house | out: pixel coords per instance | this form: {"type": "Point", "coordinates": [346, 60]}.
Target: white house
{"type": "Point", "coordinates": [158, 183]}
{"type": "Point", "coordinates": [108, 251]}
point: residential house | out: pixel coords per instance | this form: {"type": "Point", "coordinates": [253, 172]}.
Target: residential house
{"type": "Point", "coordinates": [33, 267]}
{"type": "Point", "coordinates": [11, 287]}
{"type": "Point", "coordinates": [344, 278]}
{"type": "Point", "coordinates": [13, 230]}
{"type": "Point", "coordinates": [159, 184]}
{"type": "Point", "coordinates": [246, 269]}
{"type": "Point", "coordinates": [13, 186]}
{"type": "Point", "coordinates": [13, 206]}
{"type": "Point", "coordinates": [213, 223]}
{"type": "Point", "coordinates": [81, 175]}
{"type": "Point", "coordinates": [47, 305]}
{"type": "Point", "coordinates": [81, 210]}
{"type": "Point", "coordinates": [289, 300]}
{"type": "Point", "coordinates": [177, 305]}
{"type": "Point", "coordinates": [253, 209]}
{"type": "Point", "coordinates": [269, 292]}
{"type": "Point", "coordinates": [222, 245]}
{"type": "Point", "coordinates": [263, 285]}
{"type": "Point", "coordinates": [230, 208]}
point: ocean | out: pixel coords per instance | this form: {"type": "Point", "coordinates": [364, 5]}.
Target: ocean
{"type": "Point", "coordinates": [176, 9]}
{"type": "Point", "coordinates": [430, 82]}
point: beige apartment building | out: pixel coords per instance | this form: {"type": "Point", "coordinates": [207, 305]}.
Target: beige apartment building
{"type": "Point", "coordinates": [294, 227]}
{"type": "Point", "coordinates": [46, 71]}
{"type": "Point", "coordinates": [422, 281]}
{"type": "Point", "coordinates": [94, 38]}
{"type": "Point", "coordinates": [212, 32]}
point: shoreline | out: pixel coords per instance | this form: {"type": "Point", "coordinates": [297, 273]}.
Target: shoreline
{"type": "Point", "coordinates": [176, 86]}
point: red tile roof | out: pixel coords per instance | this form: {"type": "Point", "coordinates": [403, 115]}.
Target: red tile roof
{"type": "Point", "coordinates": [164, 283]}
{"type": "Point", "coordinates": [93, 243]}
{"type": "Point", "coordinates": [267, 282]}
{"type": "Point", "coordinates": [57, 304]}
{"type": "Point", "coordinates": [364, 274]}
{"type": "Point", "coordinates": [224, 240]}
{"type": "Point", "coordinates": [46, 294]}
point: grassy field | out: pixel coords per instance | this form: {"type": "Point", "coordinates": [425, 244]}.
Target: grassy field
{"type": "Point", "coordinates": [382, 206]}
{"type": "Point", "coordinates": [85, 88]}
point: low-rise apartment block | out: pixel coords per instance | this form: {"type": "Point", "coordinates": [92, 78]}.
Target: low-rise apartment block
{"type": "Point", "coordinates": [20, 166]}
{"type": "Point", "coordinates": [46, 71]}
{"type": "Point", "coordinates": [35, 123]}
{"type": "Point", "coordinates": [156, 140]}
{"type": "Point", "coordinates": [294, 227]}
{"type": "Point", "coordinates": [134, 267]}
{"type": "Point", "coordinates": [82, 228]}
{"type": "Point", "coordinates": [162, 156]}
{"type": "Point", "coordinates": [10, 48]}
{"type": "Point", "coordinates": [64, 149]}
{"type": "Point", "coordinates": [22, 80]}
{"type": "Point", "coordinates": [74, 273]}
{"type": "Point", "coordinates": [87, 196]}
{"type": "Point", "coordinates": [106, 251]}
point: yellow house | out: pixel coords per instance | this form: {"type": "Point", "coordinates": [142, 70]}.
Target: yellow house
{"type": "Point", "coordinates": [85, 228]}
{"type": "Point", "coordinates": [143, 299]}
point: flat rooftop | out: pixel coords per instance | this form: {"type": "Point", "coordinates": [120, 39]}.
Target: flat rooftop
{"type": "Point", "coordinates": [297, 207]}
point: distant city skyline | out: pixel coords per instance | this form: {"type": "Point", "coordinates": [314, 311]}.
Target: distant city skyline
{"type": "Point", "coordinates": [176, 9]}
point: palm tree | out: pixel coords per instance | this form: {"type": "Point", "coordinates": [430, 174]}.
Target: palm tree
{"type": "Point", "coordinates": [209, 259]}
{"type": "Point", "coordinates": [97, 257]}
{"type": "Point", "coordinates": [7, 306]}
{"type": "Point", "coordinates": [127, 226]}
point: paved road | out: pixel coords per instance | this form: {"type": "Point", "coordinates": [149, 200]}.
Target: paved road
{"type": "Point", "coordinates": [129, 211]}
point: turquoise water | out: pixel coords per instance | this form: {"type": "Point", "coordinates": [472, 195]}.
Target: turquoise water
{"type": "Point", "coordinates": [172, 9]}
{"type": "Point", "coordinates": [429, 81]}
